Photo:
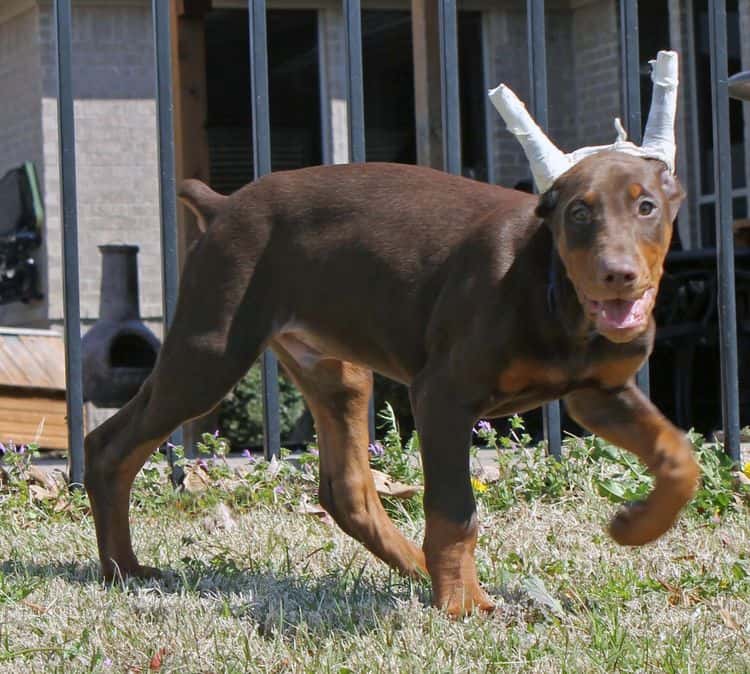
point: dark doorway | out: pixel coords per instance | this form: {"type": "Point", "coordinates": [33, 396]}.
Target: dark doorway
{"type": "Point", "coordinates": [293, 91]}
{"type": "Point", "coordinates": [388, 74]}
{"type": "Point", "coordinates": [389, 89]}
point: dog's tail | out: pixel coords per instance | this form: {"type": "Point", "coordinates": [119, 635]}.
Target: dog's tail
{"type": "Point", "coordinates": [202, 200]}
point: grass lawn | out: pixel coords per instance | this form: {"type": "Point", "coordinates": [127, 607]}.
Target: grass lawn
{"type": "Point", "coordinates": [254, 585]}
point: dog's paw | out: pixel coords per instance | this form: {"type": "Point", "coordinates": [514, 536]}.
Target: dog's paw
{"type": "Point", "coordinates": [138, 571]}
{"type": "Point", "coordinates": [146, 572]}
{"type": "Point", "coordinates": [462, 609]}
{"type": "Point", "coordinates": [634, 524]}
{"type": "Point", "coordinates": [464, 601]}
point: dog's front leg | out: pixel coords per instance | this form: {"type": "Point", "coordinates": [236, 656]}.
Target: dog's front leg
{"type": "Point", "coordinates": [627, 418]}
{"type": "Point", "coordinates": [444, 427]}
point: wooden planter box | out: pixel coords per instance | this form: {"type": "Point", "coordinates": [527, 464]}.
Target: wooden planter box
{"type": "Point", "coordinates": [32, 388]}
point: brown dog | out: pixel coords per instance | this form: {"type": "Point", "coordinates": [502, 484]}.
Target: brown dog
{"type": "Point", "coordinates": [484, 301]}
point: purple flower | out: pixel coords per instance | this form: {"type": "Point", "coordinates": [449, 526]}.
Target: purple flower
{"type": "Point", "coordinates": [314, 451]}
{"type": "Point", "coordinates": [107, 662]}
{"type": "Point", "coordinates": [201, 463]}
{"type": "Point", "coordinates": [21, 449]}
{"type": "Point", "coordinates": [376, 449]}
{"type": "Point", "coordinates": [3, 449]}
{"type": "Point", "coordinates": [247, 454]}
{"type": "Point", "coordinates": [171, 445]}
{"type": "Point", "coordinates": [216, 433]}
{"type": "Point", "coordinates": [278, 489]}
{"type": "Point", "coordinates": [483, 427]}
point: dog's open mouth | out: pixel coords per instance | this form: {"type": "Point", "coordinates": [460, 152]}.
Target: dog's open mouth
{"type": "Point", "coordinates": [621, 315]}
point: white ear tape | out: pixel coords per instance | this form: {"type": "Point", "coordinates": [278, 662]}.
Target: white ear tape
{"type": "Point", "coordinates": [658, 139]}
{"type": "Point", "coordinates": [548, 162]}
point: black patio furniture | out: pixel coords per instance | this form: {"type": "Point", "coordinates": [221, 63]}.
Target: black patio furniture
{"type": "Point", "coordinates": [21, 219]}
{"type": "Point", "coordinates": [687, 321]}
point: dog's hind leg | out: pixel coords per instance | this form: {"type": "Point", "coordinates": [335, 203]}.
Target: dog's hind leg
{"type": "Point", "coordinates": [207, 350]}
{"type": "Point", "coordinates": [338, 395]}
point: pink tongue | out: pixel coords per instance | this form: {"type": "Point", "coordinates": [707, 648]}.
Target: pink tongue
{"type": "Point", "coordinates": [620, 313]}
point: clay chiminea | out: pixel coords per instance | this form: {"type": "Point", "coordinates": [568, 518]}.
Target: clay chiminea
{"type": "Point", "coordinates": [119, 351]}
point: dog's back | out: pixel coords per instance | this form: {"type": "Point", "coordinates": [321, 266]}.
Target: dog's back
{"type": "Point", "coordinates": [375, 202]}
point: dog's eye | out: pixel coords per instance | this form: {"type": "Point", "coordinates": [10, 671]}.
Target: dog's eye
{"type": "Point", "coordinates": [580, 214]}
{"type": "Point", "coordinates": [646, 208]}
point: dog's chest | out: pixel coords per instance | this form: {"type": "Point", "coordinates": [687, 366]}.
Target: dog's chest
{"type": "Point", "coordinates": [524, 382]}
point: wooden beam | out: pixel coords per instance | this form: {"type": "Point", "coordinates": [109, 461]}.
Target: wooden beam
{"type": "Point", "coordinates": [427, 82]}
{"type": "Point", "coordinates": [191, 139]}
{"type": "Point", "coordinates": [190, 103]}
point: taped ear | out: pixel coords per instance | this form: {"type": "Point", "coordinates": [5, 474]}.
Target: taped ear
{"type": "Point", "coordinates": [547, 204]}
{"type": "Point", "coordinates": [548, 162]}
{"type": "Point", "coordinates": [672, 191]}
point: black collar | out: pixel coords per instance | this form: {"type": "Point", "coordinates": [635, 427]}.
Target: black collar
{"type": "Point", "coordinates": [553, 283]}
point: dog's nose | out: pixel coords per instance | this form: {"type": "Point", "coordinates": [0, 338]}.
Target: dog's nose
{"type": "Point", "coordinates": [618, 273]}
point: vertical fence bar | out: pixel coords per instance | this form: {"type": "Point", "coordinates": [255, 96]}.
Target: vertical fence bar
{"type": "Point", "coordinates": [488, 83]}
{"type": "Point", "coordinates": [537, 54]}
{"type": "Point", "coordinates": [630, 73]}
{"type": "Point", "coordinates": [355, 93]}
{"type": "Point", "coordinates": [631, 102]}
{"type": "Point", "coordinates": [167, 182]}
{"type": "Point", "coordinates": [69, 227]}
{"type": "Point", "coordinates": [356, 108]}
{"type": "Point", "coordinates": [262, 166]}
{"type": "Point", "coordinates": [448, 22]}
{"type": "Point", "coordinates": [688, 61]}
{"type": "Point", "coordinates": [717, 25]}
{"type": "Point", "coordinates": [537, 47]}
{"type": "Point", "coordinates": [326, 123]}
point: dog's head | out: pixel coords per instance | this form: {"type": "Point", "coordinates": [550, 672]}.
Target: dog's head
{"type": "Point", "coordinates": [611, 217]}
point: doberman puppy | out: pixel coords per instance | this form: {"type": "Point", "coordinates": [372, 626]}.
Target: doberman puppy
{"type": "Point", "coordinates": [485, 301]}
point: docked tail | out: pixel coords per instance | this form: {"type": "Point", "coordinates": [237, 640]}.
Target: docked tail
{"type": "Point", "coordinates": [202, 200]}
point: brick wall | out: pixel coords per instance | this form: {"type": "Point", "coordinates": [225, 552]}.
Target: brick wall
{"type": "Point", "coordinates": [507, 34]}
{"type": "Point", "coordinates": [116, 148]}
{"type": "Point", "coordinates": [561, 81]}
{"type": "Point", "coordinates": [596, 64]}
{"type": "Point", "coordinates": [582, 78]}
{"type": "Point", "coordinates": [20, 125]}
{"type": "Point", "coordinates": [20, 83]}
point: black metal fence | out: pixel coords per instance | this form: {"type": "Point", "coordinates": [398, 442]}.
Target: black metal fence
{"type": "Point", "coordinates": [258, 90]}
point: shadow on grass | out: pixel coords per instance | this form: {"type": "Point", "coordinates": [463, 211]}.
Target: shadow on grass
{"type": "Point", "coordinates": [281, 601]}
{"type": "Point", "coordinates": [278, 602]}
{"type": "Point", "coordinates": [73, 572]}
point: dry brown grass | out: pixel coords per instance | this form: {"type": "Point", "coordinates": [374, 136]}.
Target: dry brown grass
{"type": "Point", "coordinates": [287, 593]}
{"type": "Point", "coordinates": [278, 591]}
